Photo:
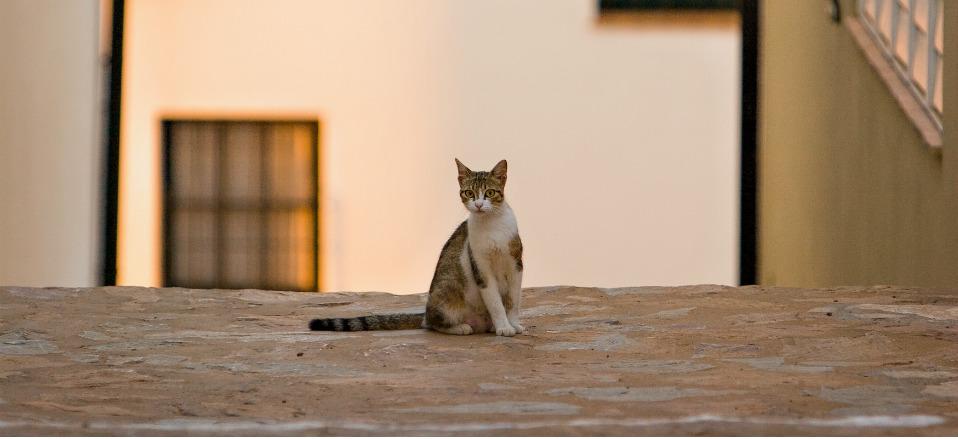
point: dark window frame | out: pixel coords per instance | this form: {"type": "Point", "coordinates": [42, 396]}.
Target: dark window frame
{"type": "Point", "coordinates": [167, 211]}
{"type": "Point", "coordinates": [652, 5]}
{"type": "Point", "coordinates": [750, 13]}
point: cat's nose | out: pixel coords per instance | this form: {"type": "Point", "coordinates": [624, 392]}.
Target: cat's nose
{"type": "Point", "coordinates": [478, 203]}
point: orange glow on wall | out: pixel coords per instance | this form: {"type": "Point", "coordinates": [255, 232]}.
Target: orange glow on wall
{"type": "Point", "coordinates": [405, 87]}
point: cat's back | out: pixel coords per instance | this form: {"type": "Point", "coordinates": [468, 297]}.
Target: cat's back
{"type": "Point", "coordinates": [457, 240]}
{"type": "Point", "coordinates": [448, 268]}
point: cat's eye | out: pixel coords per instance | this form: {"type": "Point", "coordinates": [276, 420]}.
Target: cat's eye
{"type": "Point", "coordinates": [490, 193]}
{"type": "Point", "coordinates": [468, 193]}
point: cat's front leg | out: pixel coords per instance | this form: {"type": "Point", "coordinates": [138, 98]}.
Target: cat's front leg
{"type": "Point", "coordinates": [497, 312]}
{"type": "Point", "coordinates": [515, 297]}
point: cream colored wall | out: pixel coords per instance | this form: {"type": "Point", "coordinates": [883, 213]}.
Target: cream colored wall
{"type": "Point", "coordinates": [849, 193]}
{"type": "Point", "coordinates": [622, 142]}
{"type": "Point", "coordinates": [49, 150]}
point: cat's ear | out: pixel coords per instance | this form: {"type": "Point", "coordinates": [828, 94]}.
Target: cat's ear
{"type": "Point", "coordinates": [499, 171]}
{"type": "Point", "coordinates": [463, 171]}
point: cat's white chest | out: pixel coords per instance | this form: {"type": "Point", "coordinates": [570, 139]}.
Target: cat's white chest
{"type": "Point", "coordinates": [490, 236]}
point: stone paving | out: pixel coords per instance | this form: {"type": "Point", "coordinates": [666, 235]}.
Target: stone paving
{"type": "Point", "coordinates": [693, 360]}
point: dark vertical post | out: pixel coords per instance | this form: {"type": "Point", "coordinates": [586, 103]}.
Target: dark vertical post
{"type": "Point", "coordinates": [315, 203]}
{"type": "Point", "coordinates": [112, 157]}
{"type": "Point", "coordinates": [266, 140]}
{"type": "Point", "coordinates": [748, 214]}
{"type": "Point", "coordinates": [219, 200]}
{"type": "Point", "coordinates": [167, 207]}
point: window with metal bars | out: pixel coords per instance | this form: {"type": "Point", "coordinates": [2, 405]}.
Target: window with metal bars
{"type": "Point", "coordinates": [910, 33]}
{"type": "Point", "coordinates": [240, 204]}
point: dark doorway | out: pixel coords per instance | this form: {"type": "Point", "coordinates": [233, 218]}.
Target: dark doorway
{"type": "Point", "coordinates": [748, 177]}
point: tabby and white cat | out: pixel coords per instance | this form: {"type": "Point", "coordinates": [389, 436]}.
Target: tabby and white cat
{"type": "Point", "coordinates": [478, 280]}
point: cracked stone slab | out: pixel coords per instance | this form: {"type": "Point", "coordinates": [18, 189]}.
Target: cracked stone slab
{"type": "Point", "coordinates": [551, 310]}
{"type": "Point", "coordinates": [95, 336]}
{"type": "Point", "coordinates": [760, 318]}
{"type": "Point", "coordinates": [634, 290]}
{"type": "Point", "coordinates": [644, 394]}
{"type": "Point", "coordinates": [495, 386]}
{"type": "Point", "coordinates": [501, 407]}
{"type": "Point", "coordinates": [777, 364]}
{"type": "Point", "coordinates": [41, 293]}
{"type": "Point", "coordinates": [870, 395]}
{"type": "Point", "coordinates": [920, 374]}
{"type": "Point", "coordinates": [611, 342]}
{"type": "Point", "coordinates": [935, 312]}
{"type": "Point", "coordinates": [670, 313]}
{"type": "Point", "coordinates": [724, 349]}
{"type": "Point", "coordinates": [655, 366]}
{"type": "Point", "coordinates": [629, 361]}
{"type": "Point", "coordinates": [22, 343]}
{"type": "Point", "coordinates": [945, 390]}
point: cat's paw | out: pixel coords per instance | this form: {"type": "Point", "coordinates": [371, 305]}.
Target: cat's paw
{"type": "Point", "coordinates": [506, 331]}
{"type": "Point", "coordinates": [519, 328]}
{"type": "Point", "coordinates": [463, 329]}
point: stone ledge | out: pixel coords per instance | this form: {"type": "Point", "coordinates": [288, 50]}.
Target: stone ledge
{"type": "Point", "coordinates": [702, 359]}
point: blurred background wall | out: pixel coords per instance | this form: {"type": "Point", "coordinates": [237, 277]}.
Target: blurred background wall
{"type": "Point", "coordinates": [50, 121]}
{"type": "Point", "coordinates": [622, 138]}
{"type": "Point", "coordinates": [849, 193]}
{"type": "Point", "coordinates": [622, 141]}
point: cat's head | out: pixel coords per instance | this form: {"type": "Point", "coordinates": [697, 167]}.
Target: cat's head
{"type": "Point", "coordinates": [482, 192]}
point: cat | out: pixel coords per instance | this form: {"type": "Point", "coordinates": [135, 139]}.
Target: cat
{"type": "Point", "coordinates": [477, 285]}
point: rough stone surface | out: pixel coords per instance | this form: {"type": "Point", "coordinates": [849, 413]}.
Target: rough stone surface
{"type": "Point", "coordinates": [703, 359]}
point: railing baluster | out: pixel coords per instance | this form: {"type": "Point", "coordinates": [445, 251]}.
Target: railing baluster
{"type": "Point", "coordinates": [906, 68]}
{"type": "Point", "coordinates": [932, 53]}
{"type": "Point", "coordinates": [895, 9]}
{"type": "Point", "coordinates": [912, 41]}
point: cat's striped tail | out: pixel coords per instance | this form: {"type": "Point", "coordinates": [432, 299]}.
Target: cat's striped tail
{"type": "Point", "coordinates": [380, 322]}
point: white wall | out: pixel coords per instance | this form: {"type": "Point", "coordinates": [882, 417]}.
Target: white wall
{"type": "Point", "coordinates": [622, 142]}
{"type": "Point", "coordinates": [49, 150]}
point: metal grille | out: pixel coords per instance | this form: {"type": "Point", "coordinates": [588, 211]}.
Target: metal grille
{"type": "Point", "coordinates": [241, 204]}
{"type": "Point", "coordinates": [910, 33]}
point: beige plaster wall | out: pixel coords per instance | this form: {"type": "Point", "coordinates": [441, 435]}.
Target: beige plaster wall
{"type": "Point", "coordinates": [50, 156]}
{"type": "Point", "coordinates": [622, 140]}
{"type": "Point", "coordinates": [849, 192]}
